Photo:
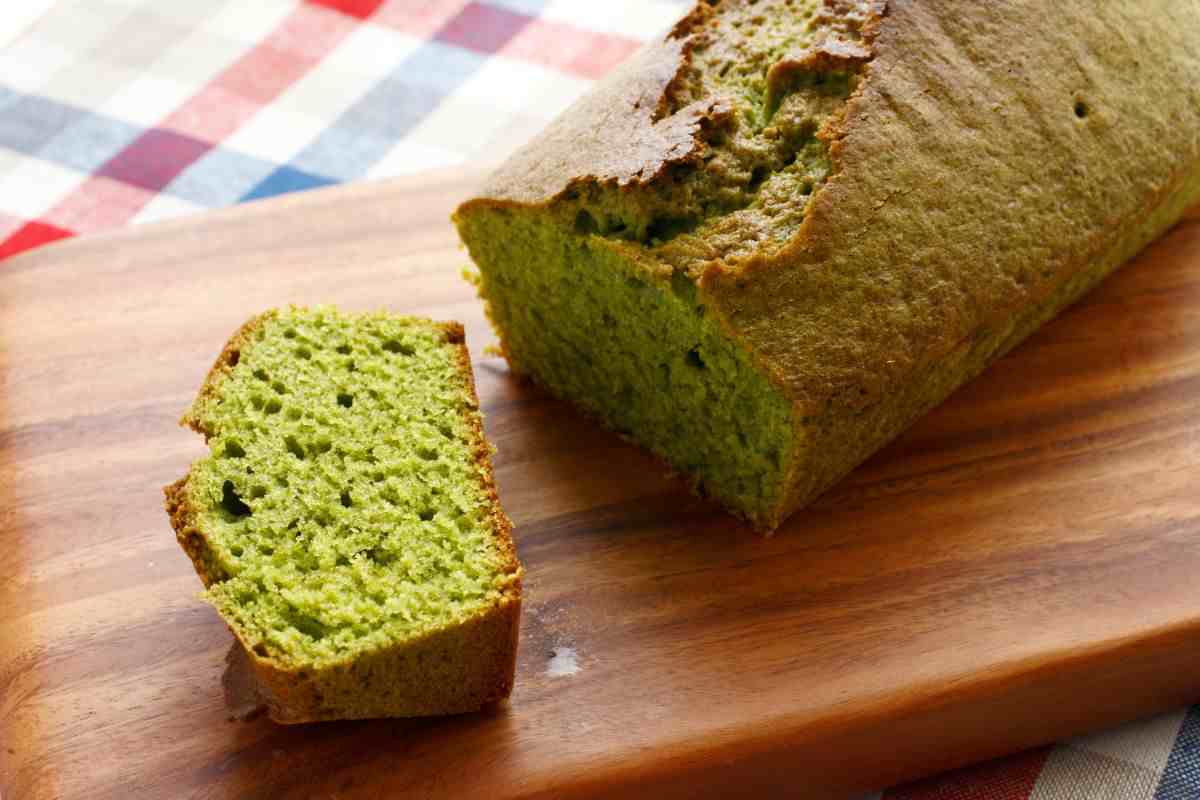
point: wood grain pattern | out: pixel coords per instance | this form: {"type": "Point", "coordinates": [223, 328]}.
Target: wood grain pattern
{"type": "Point", "coordinates": [1019, 567]}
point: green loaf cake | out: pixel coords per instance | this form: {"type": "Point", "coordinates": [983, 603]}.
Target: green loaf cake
{"type": "Point", "coordinates": [345, 522]}
{"type": "Point", "coordinates": [788, 228]}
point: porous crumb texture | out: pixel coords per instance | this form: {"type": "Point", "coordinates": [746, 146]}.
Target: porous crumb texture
{"type": "Point", "coordinates": [637, 351]}
{"type": "Point", "coordinates": [346, 504]}
{"type": "Point", "coordinates": [781, 233]}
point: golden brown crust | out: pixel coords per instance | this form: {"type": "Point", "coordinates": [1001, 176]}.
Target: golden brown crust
{"type": "Point", "coordinates": [182, 511]}
{"type": "Point", "coordinates": [454, 670]}
{"type": "Point", "coordinates": [501, 525]}
{"type": "Point", "coordinates": [184, 519]}
{"type": "Point", "coordinates": [226, 361]}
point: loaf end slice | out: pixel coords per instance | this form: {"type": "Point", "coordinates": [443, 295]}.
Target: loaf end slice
{"type": "Point", "coordinates": [345, 523]}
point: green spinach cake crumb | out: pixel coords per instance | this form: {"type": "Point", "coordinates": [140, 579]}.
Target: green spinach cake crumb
{"type": "Point", "coordinates": [345, 521]}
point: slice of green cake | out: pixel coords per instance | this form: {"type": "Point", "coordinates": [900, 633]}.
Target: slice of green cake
{"type": "Point", "coordinates": [345, 522]}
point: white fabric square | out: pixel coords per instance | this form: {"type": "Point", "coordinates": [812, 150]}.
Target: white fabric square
{"type": "Point", "coordinates": [198, 58]}
{"type": "Point", "coordinates": [87, 84]}
{"type": "Point", "coordinates": [249, 22]}
{"type": "Point", "coordinates": [370, 51]}
{"type": "Point", "coordinates": [164, 206]}
{"type": "Point", "coordinates": [78, 25]}
{"type": "Point", "coordinates": [519, 86]}
{"type": "Point", "coordinates": [188, 12]}
{"type": "Point", "coordinates": [460, 125]}
{"type": "Point", "coordinates": [148, 99]}
{"type": "Point", "coordinates": [33, 186]}
{"type": "Point", "coordinates": [19, 16]}
{"type": "Point", "coordinates": [323, 93]}
{"type": "Point", "coordinates": [9, 160]}
{"type": "Point", "coordinates": [409, 157]}
{"type": "Point", "coordinates": [276, 134]}
{"type": "Point", "coordinates": [30, 63]}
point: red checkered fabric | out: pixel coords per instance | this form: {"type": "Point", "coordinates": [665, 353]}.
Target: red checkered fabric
{"type": "Point", "coordinates": [117, 112]}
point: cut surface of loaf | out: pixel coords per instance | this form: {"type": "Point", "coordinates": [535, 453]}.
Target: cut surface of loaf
{"type": "Point", "coordinates": [777, 236]}
{"type": "Point", "coordinates": [345, 523]}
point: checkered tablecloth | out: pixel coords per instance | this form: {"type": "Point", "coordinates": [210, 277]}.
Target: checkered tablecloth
{"type": "Point", "coordinates": [117, 112]}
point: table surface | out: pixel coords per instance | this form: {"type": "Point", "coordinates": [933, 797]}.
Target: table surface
{"type": "Point", "coordinates": [1018, 568]}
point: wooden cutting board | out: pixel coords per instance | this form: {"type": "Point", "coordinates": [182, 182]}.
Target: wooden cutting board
{"type": "Point", "coordinates": [1022, 566]}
